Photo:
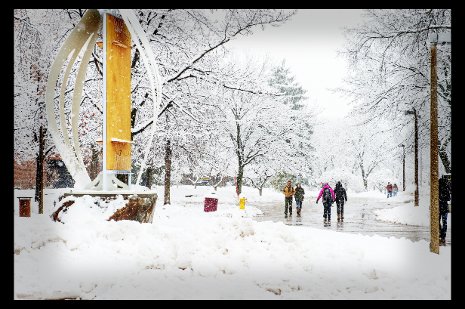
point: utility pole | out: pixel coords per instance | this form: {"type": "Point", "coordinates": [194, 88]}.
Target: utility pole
{"type": "Point", "coordinates": [415, 116]}
{"type": "Point", "coordinates": [434, 201]}
{"type": "Point", "coordinates": [434, 38]}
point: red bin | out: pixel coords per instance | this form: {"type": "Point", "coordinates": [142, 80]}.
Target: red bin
{"type": "Point", "coordinates": [24, 206]}
{"type": "Point", "coordinates": [210, 204]}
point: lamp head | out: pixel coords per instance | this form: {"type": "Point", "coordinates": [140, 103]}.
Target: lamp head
{"type": "Point", "coordinates": [442, 38]}
{"type": "Point", "coordinates": [114, 12]}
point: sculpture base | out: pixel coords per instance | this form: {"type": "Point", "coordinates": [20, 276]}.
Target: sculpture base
{"type": "Point", "coordinates": [140, 206]}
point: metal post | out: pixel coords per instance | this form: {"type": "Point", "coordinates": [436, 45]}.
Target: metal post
{"type": "Point", "coordinates": [434, 202]}
{"type": "Point", "coordinates": [104, 39]}
{"type": "Point", "coordinates": [420, 151]}
{"type": "Point", "coordinates": [403, 167]}
{"type": "Point", "coordinates": [416, 156]}
{"type": "Point", "coordinates": [415, 116]}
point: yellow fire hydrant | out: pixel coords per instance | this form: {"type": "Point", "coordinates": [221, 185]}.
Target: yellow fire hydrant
{"type": "Point", "coordinates": [242, 203]}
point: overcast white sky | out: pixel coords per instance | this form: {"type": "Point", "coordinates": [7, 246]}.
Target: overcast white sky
{"type": "Point", "coordinates": [309, 44]}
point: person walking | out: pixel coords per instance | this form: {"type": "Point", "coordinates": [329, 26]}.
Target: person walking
{"type": "Point", "coordinates": [288, 193]}
{"type": "Point", "coordinates": [328, 198]}
{"type": "Point", "coordinates": [389, 190]}
{"type": "Point", "coordinates": [444, 197]}
{"type": "Point", "coordinates": [299, 198]}
{"type": "Point", "coordinates": [395, 189]}
{"type": "Point", "coordinates": [341, 196]}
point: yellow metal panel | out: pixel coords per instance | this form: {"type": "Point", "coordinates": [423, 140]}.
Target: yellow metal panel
{"type": "Point", "coordinates": [118, 94]}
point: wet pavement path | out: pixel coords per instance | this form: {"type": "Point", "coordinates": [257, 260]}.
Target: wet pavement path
{"type": "Point", "coordinates": [358, 218]}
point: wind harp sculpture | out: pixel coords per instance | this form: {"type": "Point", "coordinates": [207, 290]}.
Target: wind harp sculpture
{"type": "Point", "coordinates": [117, 33]}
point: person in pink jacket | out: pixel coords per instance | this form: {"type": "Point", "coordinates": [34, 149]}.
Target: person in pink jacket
{"type": "Point", "coordinates": [328, 198]}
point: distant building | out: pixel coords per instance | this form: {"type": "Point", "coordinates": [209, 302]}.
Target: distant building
{"type": "Point", "coordinates": [55, 173]}
{"type": "Point", "coordinates": [24, 174]}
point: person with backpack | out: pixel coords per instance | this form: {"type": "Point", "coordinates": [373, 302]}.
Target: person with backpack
{"type": "Point", "coordinates": [341, 195]}
{"type": "Point", "coordinates": [389, 190]}
{"type": "Point", "coordinates": [288, 193]}
{"type": "Point", "coordinates": [444, 197]}
{"type": "Point", "coordinates": [299, 197]}
{"type": "Point", "coordinates": [395, 189]}
{"type": "Point", "coordinates": [328, 198]}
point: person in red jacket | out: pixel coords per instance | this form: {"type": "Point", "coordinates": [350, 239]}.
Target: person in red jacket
{"type": "Point", "coordinates": [389, 190]}
{"type": "Point", "coordinates": [328, 198]}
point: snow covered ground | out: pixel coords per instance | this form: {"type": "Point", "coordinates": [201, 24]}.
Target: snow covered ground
{"type": "Point", "coordinates": [189, 254]}
{"type": "Point", "coordinates": [406, 213]}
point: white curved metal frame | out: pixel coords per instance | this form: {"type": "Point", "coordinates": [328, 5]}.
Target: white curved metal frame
{"type": "Point", "coordinates": [82, 40]}
{"type": "Point", "coordinates": [148, 58]}
{"type": "Point", "coordinates": [82, 37]}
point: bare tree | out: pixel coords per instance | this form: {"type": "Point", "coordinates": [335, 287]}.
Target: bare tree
{"type": "Point", "coordinates": [188, 44]}
{"type": "Point", "coordinates": [369, 153]}
{"type": "Point", "coordinates": [389, 54]}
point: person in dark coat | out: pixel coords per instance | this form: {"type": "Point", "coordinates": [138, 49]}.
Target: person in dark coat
{"type": "Point", "coordinates": [341, 196]}
{"type": "Point", "coordinates": [395, 189]}
{"type": "Point", "coordinates": [299, 197]}
{"type": "Point", "coordinates": [444, 197]}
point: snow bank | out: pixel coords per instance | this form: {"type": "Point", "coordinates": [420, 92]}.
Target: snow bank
{"type": "Point", "coordinates": [185, 194]}
{"type": "Point", "coordinates": [407, 213]}
{"type": "Point", "coordinates": [189, 254]}
{"type": "Point", "coordinates": [369, 194]}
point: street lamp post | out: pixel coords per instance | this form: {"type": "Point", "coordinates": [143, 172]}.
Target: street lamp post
{"type": "Point", "coordinates": [434, 39]}
{"type": "Point", "coordinates": [415, 115]}
{"type": "Point", "coordinates": [420, 164]}
{"type": "Point", "coordinates": [403, 167]}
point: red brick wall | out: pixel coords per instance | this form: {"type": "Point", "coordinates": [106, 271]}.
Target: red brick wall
{"type": "Point", "coordinates": [25, 174]}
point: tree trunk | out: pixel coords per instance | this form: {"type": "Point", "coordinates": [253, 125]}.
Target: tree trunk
{"type": "Point", "coordinates": [39, 192]}
{"type": "Point", "coordinates": [365, 182]}
{"type": "Point", "coordinates": [149, 175]}
{"type": "Point", "coordinates": [194, 182]}
{"type": "Point", "coordinates": [240, 175]}
{"type": "Point", "coordinates": [136, 209]}
{"type": "Point", "coordinates": [260, 191]}
{"type": "Point", "coordinates": [167, 172]}
{"type": "Point", "coordinates": [218, 182]}
{"type": "Point", "coordinates": [94, 164]}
